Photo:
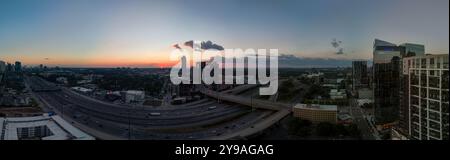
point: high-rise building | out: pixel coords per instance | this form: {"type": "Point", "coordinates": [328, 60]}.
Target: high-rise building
{"type": "Point", "coordinates": [386, 74]}
{"type": "Point", "coordinates": [9, 67]}
{"type": "Point", "coordinates": [410, 50]}
{"type": "Point", "coordinates": [2, 67]}
{"type": "Point", "coordinates": [387, 80]}
{"type": "Point", "coordinates": [427, 93]}
{"type": "Point", "coordinates": [2, 71]}
{"type": "Point", "coordinates": [360, 78]}
{"type": "Point", "coordinates": [18, 66]}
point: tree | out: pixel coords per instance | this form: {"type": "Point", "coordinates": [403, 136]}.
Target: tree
{"type": "Point", "coordinates": [305, 123]}
{"type": "Point", "coordinates": [316, 90]}
{"type": "Point", "coordinates": [299, 127]}
{"type": "Point", "coordinates": [367, 105]}
{"type": "Point", "coordinates": [386, 136]}
{"type": "Point", "coordinates": [341, 130]}
{"type": "Point", "coordinates": [286, 86]}
{"type": "Point", "coordinates": [304, 132]}
{"type": "Point", "coordinates": [293, 127]}
{"type": "Point", "coordinates": [326, 129]}
{"type": "Point", "coordinates": [353, 130]}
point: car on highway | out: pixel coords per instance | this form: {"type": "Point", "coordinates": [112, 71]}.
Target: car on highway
{"type": "Point", "coordinates": [155, 114]}
{"type": "Point", "coordinates": [76, 116]}
{"type": "Point", "coordinates": [212, 107]}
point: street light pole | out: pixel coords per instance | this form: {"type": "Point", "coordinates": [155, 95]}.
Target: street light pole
{"type": "Point", "coordinates": [251, 102]}
{"type": "Point", "coordinates": [129, 124]}
{"type": "Point", "coordinates": [62, 111]}
{"type": "Point", "coordinates": [218, 98]}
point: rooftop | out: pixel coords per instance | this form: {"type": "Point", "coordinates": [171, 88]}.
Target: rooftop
{"type": "Point", "coordinates": [134, 92]}
{"type": "Point", "coordinates": [55, 127]}
{"type": "Point", "coordinates": [316, 106]}
{"type": "Point", "coordinates": [379, 42]}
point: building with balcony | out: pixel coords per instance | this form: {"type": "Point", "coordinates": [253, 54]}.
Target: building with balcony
{"type": "Point", "coordinates": [426, 94]}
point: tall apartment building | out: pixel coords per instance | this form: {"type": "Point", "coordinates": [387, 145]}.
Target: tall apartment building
{"type": "Point", "coordinates": [2, 71]}
{"type": "Point", "coordinates": [426, 92]}
{"type": "Point", "coordinates": [9, 67]}
{"type": "Point", "coordinates": [2, 67]}
{"type": "Point", "coordinates": [18, 66]}
{"type": "Point", "coordinates": [360, 77]}
{"type": "Point", "coordinates": [410, 50]}
{"type": "Point", "coordinates": [387, 79]}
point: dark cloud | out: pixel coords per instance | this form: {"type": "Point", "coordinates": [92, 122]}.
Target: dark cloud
{"type": "Point", "coordinates": [292, 61]}
{"type": "Point", "coordinates": [205, 45]}
{"type": "Point", "coordinates": [210, 45]}
{"type": "Point", "coordinates": [340, 51]}
{"type": "Point", "coordinates": [189, 43]}
{"type": "Point", "coordinates": [337, 45]}
{"type": "Point", "coordinates": [176, 46]}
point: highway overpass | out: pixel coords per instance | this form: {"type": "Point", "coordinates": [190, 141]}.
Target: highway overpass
{"type": "Point", "coordinates": [251, 102]}
{"type": "Point", "coordinates": [256, 128]}
{"type": "Point", "coordinates": [282, 110]}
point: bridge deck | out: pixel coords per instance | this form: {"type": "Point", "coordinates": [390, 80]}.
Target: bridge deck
{"type": "Point", "coordinates": [251, 102]}
{"type": "Point", "coordinates": [258, 127]}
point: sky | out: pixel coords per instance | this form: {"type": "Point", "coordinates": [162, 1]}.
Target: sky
{"type": "Point", "coordinates": [141, 33]}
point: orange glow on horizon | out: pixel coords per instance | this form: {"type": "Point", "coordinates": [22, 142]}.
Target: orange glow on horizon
{"type": "Point", "coordinates": [100, 58]}
{"type": "Point", "coordinates": [103, 58]}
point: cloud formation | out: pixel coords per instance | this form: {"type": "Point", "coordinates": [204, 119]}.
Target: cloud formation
{"type": "Point", "coordinates": [292, 61]}
{"type": "Point", "coordinates": [337, 45]}
{"type": "Point", "coordinates": [176, 46]}
{"type": "Point", "coordinates": [205, 45]}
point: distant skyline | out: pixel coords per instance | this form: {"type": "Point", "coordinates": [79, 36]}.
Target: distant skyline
{"type": "Point", "coordinates": [140, 33]}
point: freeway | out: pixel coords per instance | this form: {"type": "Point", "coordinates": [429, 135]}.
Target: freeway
{"type": "Point", "coordinates": [137, 116]}
{"type": "Point", "coordinates": [282, 110]}
{"type": "Point", "coordinates": [251, 102]}
{"type": "Point", "coordinates": [240, 89]}
{"type": "Point", "coordinates": [43, 86]}
{"type": "Point", "coordinates": [110, 121]}
{"type": "Point", "coordinates": [257, 127]}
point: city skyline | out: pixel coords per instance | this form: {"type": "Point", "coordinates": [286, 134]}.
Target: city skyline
{"type": "Point", "coordinates": [141, 33]}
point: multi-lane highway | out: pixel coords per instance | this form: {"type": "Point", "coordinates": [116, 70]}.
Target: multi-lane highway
{"type": "Point", "coordinates": [197, 120]}
{"type": "Point", "coordinates": [252, 102]}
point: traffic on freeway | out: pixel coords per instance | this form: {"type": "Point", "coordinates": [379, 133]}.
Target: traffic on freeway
{"type": "Point", "coordinates": [203, 119]}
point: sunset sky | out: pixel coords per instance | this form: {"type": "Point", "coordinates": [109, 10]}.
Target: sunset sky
{"type": "Point", "coordinates": [140, 33]}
